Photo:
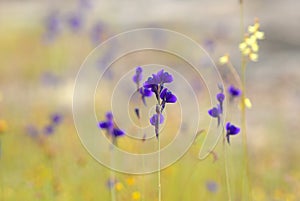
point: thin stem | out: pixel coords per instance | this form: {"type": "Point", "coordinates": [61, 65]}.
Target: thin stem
{"type": "Point", "coordinates": [158, 174]}
{"type": "Point", "coordinates": [112, 175]}
{"type": "Point", "coordinates": [246, 179]}
{"type": "Point", "coordinates": [226, 169]}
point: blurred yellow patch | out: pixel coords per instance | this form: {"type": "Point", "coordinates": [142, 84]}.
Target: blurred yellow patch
{"type": "Point", "coordinates": [130, 181]}
{"type": "Point", "coordinates": [119, 186]}
{"type": "Point", "coordinates": [136, 195]}
{"type": "Point", "coordinates": [3, 126]}
{"type": "Point", "coordinates": [224, 59]}
{"type": "Point", "coordinates": [248, 103]}
{"type": "Point", "coordinates": [40, 175]}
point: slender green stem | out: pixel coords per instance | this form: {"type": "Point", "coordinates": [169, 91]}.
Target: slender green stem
{"type": "Point", "coordinates": [158, 174]}
{"type": "Point", "coordinates": [246, 179]}
{"type": "Point", "coordinates": [227, 168]}
{"type": "Point", "coordinates": [112, 175]}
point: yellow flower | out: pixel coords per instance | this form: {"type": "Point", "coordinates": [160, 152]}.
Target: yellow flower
{"type": "Point", "coordinates": [253, 56]}
{"type": "Point", "coordinates": [259, 35]}
{"type": "Point", "coordinates": [130, 181]}
{"type": "Point", "coordinates": [254, 47]}
{"type": "Point", "coordinates": [249, 47]}
{"type": "Point", "coordinates": [136, 195]}
{"type": "Point", "coordinates": [224, 59]}
{"type": "Point", "coordinates": [248, 103]}
{"type": "Point", "coordinates": [3, 126]}
{"type": "Point", "coordinates": [119, 186]}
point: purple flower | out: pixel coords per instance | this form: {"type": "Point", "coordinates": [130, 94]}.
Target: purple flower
{"type": "Point", "coordinates": [32, 131]}
{"type": "Point", "coordinates": [157, 81]}
{"type": "Point", "coordinates": [75, 22]}
{"type": "Point", "coordinates": [167, 97]}
{"type": "Point", "coordinates": [212, 186]}
{"type": "Point", "coordinates": [215, 112]}
{"type": "Point", "coordinates": [138, 75]}
{"type": "Point", "coordinates": [154, 122]}
{"type": "Point", "coordinates": [56, 118]}
{"type": "Point", "coordinates": [231, 130]}
{"type": "Point", "coordinates": [109, 126]}
{"type": "Point", "coordinates": [221, 97]}
{"type": "Point", "coordinates": [52, 26]}
{"type": "Point", "coordinates": [49, 129]}
{"type": "Point", "coordinates": [145, 92]}
{"type": "Point", "coordinates": [234, 92]}
{"type": "Point", "coordinates": [96, 32]}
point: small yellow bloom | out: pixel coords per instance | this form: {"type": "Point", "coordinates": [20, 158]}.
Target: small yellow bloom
{"type": "Point", "coordinates": [3, 126]}
{"type": "Point", "coordinates": [246, 51]}
{"type": "Point", "coordinates": [224, 59]}
{"type": "Point", "coordinates": [242, 46]}
{"type": "Point", "coordinates": [130, 181]}
{"type": "Point", "coordinates": [254, 47]}
{"type": "Point", "coordinates": [250, 40]}
{"type": "Point", "coordinates": [136, 195]}
{"type": "Point", "coordinates": [253, 57]}
{"type": "Point", "coordinates": [248, 103]}
{"type": "Point", "coordinates": [119, 186]}
{"type": "Point", "coordinates": [259, 35]}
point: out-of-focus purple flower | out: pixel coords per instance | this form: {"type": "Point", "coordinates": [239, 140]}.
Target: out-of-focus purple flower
{"type": "Point", "coordinates": [215, 112]}
{"type": "Point", "coordinates": [212, 186]}
{"type": "Point", "coordinates": [86, 4]}
{"type": "Point", "coordinates": [96, 33]}
{"type": "Point", "coordinates": [167, 97]}
{"type": "Point", "coordinates": [32, 131]}
{"type": "Point", "coordinates": [233, 91]}
{"type": "Point", "coordinates": [56, 118]}
{"type": "Point", "coordinates": [209, 45]}
{"type": "Point", "coordinates": [109, 126]}
{"type": "Point", "coordinates": [145, 92]}
{"type": "Point", "coordinates": [117, 132]}
{"type": "Point", "coordinates": [231, 130]}
{"type": "Point", "coordinates": [155, 120]}
{"type": "Point", "coordinates": [48, 78]}
{"type": "Point", "coordinates": [75, 22]}
{"type": "Point", "coordinates": [52, 24]}
{"type": "Point", "coordinates": [48, 129]}
{"type": "Point", "coordinates": [221, 97]}
{"type": "Point", "coordinates": [138, 76]}
{"type": "Point", "coordinates": [110, 183]}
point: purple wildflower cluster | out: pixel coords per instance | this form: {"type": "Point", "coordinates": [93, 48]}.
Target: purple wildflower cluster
{"type": "Point", "coordinates": [155, 84]}
{"type": "Point", "coordinates": [74, 21]}
{"type": "Point", "coordinates": [109, 126]}
{"type": "Point", "coordinates": [48, 129]}
{"type": "Point", "coordinates": [217, 111]}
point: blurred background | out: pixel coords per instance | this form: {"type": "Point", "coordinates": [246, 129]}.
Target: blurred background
{"type": "Point", "coordinates": [43, 44]}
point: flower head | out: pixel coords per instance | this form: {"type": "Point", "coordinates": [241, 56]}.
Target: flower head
{"type": "Point", "coordinates": [155, 120]}
{"type": "Point", "coordinates": [233, 91]}
{"type": "Point", "coordinates": [138, 75]}
{"type": "Point", "coordinates": [224, 59]}
{"type": "Point", "coordinates": [231, 130]}
{"type": "Point", "coordinates": [167, 97]}
{"type": "Point", "coordinates": [221, 97]}
{"type": "Point", "coordinates": [157, 81]}
{"type": "Point", "coordinates": [215, 112]}
{"type": "Point", "coordinates": [249, 47]}
{"type": "Point", "coordinates": [145, 92]}
{"type": "Point", "coordinates": [56, 118]}
{"type": "Point", "coordinates": [109, 126]}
